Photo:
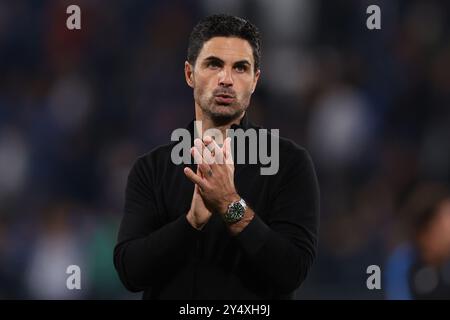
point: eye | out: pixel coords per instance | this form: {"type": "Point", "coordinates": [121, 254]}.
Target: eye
{"type": "Point", "coordinates": [213, 65]}
{"type": "Point", "coordinates": [241, 68]}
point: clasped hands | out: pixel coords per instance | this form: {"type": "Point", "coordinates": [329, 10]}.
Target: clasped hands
{"type": "Point", "coordinates": [214, 180]}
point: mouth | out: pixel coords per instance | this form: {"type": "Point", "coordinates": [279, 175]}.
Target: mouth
{"type": "Point", "coordinates": [224, 98]}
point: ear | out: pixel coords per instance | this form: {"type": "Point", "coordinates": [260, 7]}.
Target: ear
{"type": "Point", "coordinates": [255, 79]}
{"type": "Point", "coordinates": [189, 74]}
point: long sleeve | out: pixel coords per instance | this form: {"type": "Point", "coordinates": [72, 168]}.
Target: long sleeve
{"type": "Point", "coordinates": [282, 249]}
{"type": "Point", "coordinates": [148, 250]}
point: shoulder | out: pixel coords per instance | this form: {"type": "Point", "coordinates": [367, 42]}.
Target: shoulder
{"type": "Point", "coordinates": [154, 160]}
{"type": "Point", "coordinates": [293, 154]}
{"type": "Point", "coordinates": [288, 149]}
{"type": "Point", "coordinates": [157, 154]}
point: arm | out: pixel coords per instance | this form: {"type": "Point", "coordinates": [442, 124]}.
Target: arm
{"type": "Point", "coordinates": [148, 251]}
{"type": "Point", "coordinates": [282, 249]}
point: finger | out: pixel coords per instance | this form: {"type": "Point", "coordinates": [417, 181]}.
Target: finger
{"type": "Point", "coordinates": [204, 152]}
{"type": "Point", "coordinates": [207, 142]}
{"type": "Point", "coordinates": [208, 150]}
{"type": "Point", "coordinates": [225, 148]}
{"type": "Point", "coordinates": [218, 153]}
{"type": "Point", "coordinates": [199, 172]}
{"type": "Point", "coordinates": [201, 163]}
{"type": "Point", "coordinates": [198, 144]}
{"type": "Point", "coordinates": [196, 188]}
{"type": "Point", "coordinates": [193, 177]}
{"type": "Point", "coordinates": [208, 156]}
{"type": "Point", "coordinates": [228, 154]}
{"type": "Point", "coordinates": [196, 152]}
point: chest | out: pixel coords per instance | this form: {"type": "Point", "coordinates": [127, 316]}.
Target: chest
{"type": "Point", "coordinates": [177, 191]}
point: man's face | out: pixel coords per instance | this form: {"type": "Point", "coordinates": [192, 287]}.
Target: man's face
{"type": "Point", "coordinates": [223, 78]}
{"type": "Point", "coordinates": [437, 233]}
{"type": "Point", "coordinates": [442, 227]}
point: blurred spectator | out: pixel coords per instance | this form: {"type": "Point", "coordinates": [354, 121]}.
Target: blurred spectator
{"type": "Point", "coordinates": [340, 129]}
{"type": "Point", "coordinates": [13, 162]}
{"type": "Point", "coordinates": [420, 267]}
{"type": "Point", "coordinates": [56, 248]}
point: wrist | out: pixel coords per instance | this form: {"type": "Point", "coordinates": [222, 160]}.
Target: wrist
{"type": "Point", "coordinates": [229, 199]}
{"type": "Point", "coordinates": [235, 211]}
{"type": "Point", "coordinates": [193, 221]}
{"type": "Point", "coordinates": [239, 226]}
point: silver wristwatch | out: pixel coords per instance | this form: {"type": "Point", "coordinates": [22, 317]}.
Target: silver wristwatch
{"type": "Point", "coordinates": [235, 211]}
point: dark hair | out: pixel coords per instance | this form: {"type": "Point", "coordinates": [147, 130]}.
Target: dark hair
{"type": "Point", "coordinates": [223, 25]}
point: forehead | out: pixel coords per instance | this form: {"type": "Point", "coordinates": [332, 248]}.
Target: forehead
{"type": "Point", "coordinates": [228, 49]}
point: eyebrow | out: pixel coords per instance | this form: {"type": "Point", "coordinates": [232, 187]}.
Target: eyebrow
{"type": "Point", "coordinates": [216, 59]}
{"type": "Point", "coordinates": [213, 58]}
{"type": "Point", "coordinates": [242, 62]}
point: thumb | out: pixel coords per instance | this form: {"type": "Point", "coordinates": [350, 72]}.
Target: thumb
{"type": "Point", "coordinates": [196, 190]}
{"type": "Point", "coordinates": [227, 151]}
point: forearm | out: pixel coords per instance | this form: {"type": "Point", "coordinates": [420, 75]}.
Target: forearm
{"type": "Point", "coordinates": [280, 261]}
{"type": "Point", "coordinates": [144, 261]}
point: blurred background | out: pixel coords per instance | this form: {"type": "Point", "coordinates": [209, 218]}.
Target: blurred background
{"type": "Point", "coordinates": [372, 107]}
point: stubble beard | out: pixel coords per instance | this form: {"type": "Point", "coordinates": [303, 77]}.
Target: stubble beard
{"type": "Point", "coordinates": [210, 108]}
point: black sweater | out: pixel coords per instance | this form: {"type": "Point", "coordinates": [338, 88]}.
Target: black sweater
{"type": "Point", "coordinates": [160, 253]}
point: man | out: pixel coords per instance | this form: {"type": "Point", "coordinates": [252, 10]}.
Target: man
{"type": "Point", "coordinates": [219, 230]}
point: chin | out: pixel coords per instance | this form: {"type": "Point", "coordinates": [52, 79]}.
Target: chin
{"type": "Point", "coordinates": [223, 118]}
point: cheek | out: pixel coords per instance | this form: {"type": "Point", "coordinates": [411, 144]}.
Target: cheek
{"type": "Point", "coordinates": [244, 88]}
{"type": "Point", "coordinates": [204, 84]}
{"type": "Point", "coordinates": [246, 94]}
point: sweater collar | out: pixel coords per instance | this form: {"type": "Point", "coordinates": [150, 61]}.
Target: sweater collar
{"type": "Point", "coordinates": [243, 124]}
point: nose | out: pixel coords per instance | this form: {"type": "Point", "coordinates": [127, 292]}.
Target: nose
{"type": "Point", "coordinates": [225, 78]}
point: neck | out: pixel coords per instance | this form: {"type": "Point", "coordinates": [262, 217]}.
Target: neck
{"type": "Point", "coordinates": [208, 123]}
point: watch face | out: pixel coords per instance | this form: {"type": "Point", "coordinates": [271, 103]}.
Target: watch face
{"type": "Point", "coordinates": [235, 213]}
